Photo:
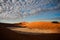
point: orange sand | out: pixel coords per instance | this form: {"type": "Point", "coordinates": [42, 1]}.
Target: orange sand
{"type": "Point", "coordinates": [41, 25]}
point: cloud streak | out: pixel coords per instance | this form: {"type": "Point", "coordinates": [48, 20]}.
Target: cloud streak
{"type": "Point", "coordinates": [12, 10]}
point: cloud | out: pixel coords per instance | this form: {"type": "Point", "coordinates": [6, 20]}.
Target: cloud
{"type": "Point", "coordinates": [44, 6]}
{"type": "Point", "coordinates": [35, 7]}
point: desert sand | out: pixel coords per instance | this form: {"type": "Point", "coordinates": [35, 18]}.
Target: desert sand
{"type": "Point", "coordinates": [16, 33]}
{"type": "Point", "coordinates": [7, 34]}
{"type": "Point", "coordinates": [44, 27]}
{"type": "Point", "coordinates": [40, 25]}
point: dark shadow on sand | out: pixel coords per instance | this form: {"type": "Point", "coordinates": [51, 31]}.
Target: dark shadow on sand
{"type": "Point", "coordinates": [6, 34]}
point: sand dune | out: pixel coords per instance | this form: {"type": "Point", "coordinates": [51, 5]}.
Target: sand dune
{"type": "Point", "coordinates": [54, 27]}
{"type": "Point", "coordinates": [6, 34]}
{"type": "Point", "coordinates": [41, 25]}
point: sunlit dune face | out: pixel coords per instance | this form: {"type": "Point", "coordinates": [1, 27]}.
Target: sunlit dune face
{"type": "Point", "coordinates": [47, 26]}
{"type": "Point", "coordinates": [43, 25]}
{"type": "Point", "coordinates": [40, 25]}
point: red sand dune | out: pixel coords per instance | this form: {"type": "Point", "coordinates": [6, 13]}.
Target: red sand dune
{"type": "Point", "coordinates": [41, 25]}
{"type": "Point", "coordinates": [53, 27]}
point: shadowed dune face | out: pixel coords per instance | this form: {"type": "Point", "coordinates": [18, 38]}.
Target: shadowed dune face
{"type": "Point", "coordinates": [22, 24]}
{"type": "Point", "coordinates": [6, 34]}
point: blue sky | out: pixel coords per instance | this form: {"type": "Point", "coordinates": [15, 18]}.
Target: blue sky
{"type": "Point", "coordinates": [45, 10]}
{"type": "Point", "coordinates": [44, 15]}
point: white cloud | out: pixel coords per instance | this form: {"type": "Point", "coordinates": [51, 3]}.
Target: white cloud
{"type": "Point", "coordinates": [35, 7]}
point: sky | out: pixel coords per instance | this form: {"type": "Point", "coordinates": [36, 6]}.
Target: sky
{"type": "Point", "coordinates": [29, 10]}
